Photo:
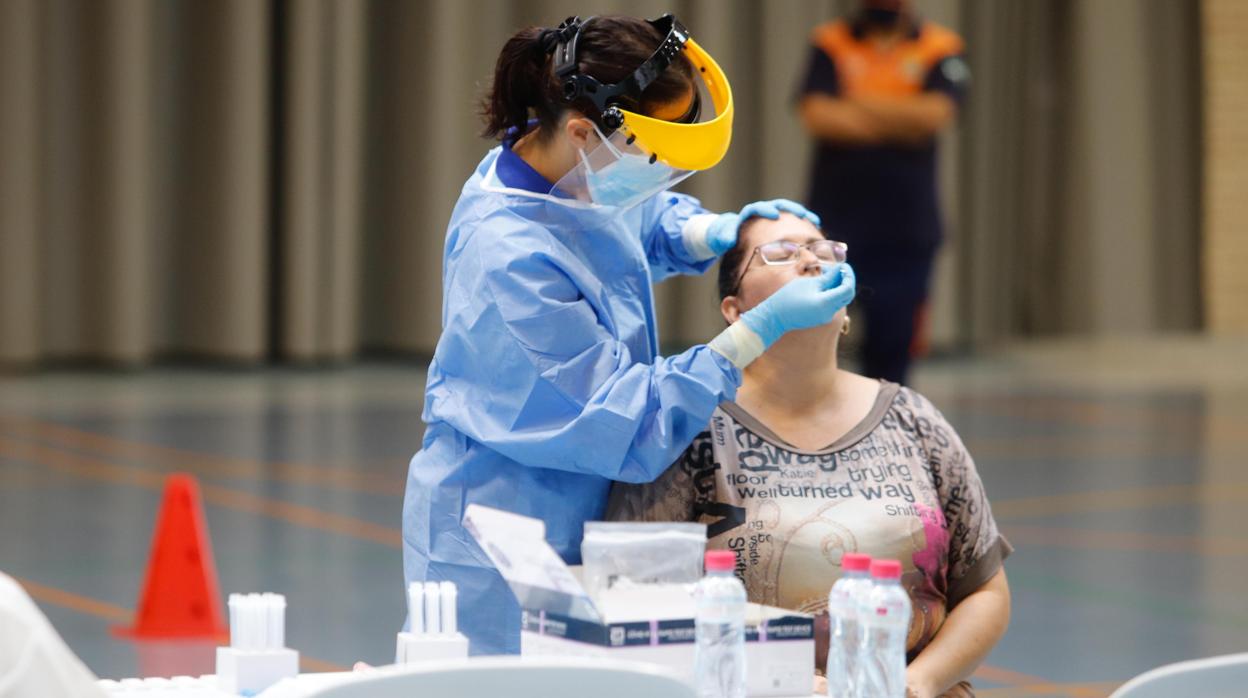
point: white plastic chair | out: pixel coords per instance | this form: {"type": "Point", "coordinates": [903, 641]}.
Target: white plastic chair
{"type": "Point", "coordinates": [516, 677]}
{"type": "Point", "coordinates": [1215, 677]}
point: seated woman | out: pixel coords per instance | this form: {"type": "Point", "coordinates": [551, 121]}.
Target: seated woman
{"type": "Point", "coordinates": [812, 461]}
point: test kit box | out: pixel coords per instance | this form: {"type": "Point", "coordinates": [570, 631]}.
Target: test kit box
{"type": "Point", "coordinates": [779, 650]}
{"type": "Point", "coordinates": [653, 625]}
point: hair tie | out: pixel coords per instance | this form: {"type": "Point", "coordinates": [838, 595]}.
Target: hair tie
{"type": "Point", "coordinates": [549, 40]}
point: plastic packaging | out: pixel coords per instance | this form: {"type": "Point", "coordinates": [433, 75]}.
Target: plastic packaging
{"type": "Point", "coordinates": [641, 553]}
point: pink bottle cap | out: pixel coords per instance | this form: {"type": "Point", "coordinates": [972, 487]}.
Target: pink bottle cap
{"type": "Point", "coordinates": [720, 560]}
{"type": "Point", "coordinates": [855, 562]}
{"type": "Point", "coordinates": [886, 569]}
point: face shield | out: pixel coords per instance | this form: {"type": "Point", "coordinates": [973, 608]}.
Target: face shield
{"type": "Point", "coordinates": [637, 156]}
{"type": "Point", "coordinates": [616, 172]}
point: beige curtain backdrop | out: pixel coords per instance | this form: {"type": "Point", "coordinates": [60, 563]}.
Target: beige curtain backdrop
{"type": "Point", "coordinates": [252, 180]}
{"type": "Point", "coordinates": [1080, 163]}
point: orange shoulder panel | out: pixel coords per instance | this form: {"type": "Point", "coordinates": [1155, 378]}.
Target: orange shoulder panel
{"type": "Point", "coordinates": [935, 43]}
{"type": "Point", "coordinates": [834, 38]}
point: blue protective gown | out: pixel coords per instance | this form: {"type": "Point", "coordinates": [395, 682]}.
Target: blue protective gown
{"type": "Point", "coordinates": [546, 384]}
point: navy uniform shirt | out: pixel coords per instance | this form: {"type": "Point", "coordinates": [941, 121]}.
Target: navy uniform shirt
{"type": "Point", "coordinates": [881, 199]}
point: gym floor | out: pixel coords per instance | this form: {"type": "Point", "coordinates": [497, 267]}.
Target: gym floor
{"type": "Point", "coordinates": [1115, 468]}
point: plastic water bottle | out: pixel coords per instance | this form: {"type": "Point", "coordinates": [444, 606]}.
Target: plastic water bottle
{"type": "Point", "coordinates": [719, 655]}
{"type": "Point", "coordinates": [885, 619]}
{"type": "Point", "coordinates": [849, 592]}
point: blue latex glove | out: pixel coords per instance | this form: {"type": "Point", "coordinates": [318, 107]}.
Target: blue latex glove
{"type": "Point", "coordinates": [806, 302]}
{"type": "Point", "coordinates": [721, 236]}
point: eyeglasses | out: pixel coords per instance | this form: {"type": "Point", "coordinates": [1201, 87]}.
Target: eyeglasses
{"type": "Point", "coordinates": [781, 252]}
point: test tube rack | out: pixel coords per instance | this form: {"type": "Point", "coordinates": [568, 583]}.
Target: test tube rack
{"type": "Point", "coordinates": [257, 656]}
{"type": "Point", "coordinates": [433, 633]}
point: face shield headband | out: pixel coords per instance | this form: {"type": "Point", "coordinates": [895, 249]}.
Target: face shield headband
{"type": "Point", "coordinates": [685, 143]}
{"type": "Point", "coordinates": [577, 85]}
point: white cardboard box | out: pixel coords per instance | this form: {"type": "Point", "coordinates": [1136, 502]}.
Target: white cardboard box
{"type": "Point", "coordinates": [559, 618]}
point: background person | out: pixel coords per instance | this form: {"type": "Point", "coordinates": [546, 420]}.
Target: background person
{"type": "Point", "coordinates": [879, 88]}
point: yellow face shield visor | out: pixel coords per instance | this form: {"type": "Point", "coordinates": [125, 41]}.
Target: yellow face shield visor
{"type": "Point", "coordinates": [682, 146]}
{"type": "Point", "coordinates": [697, 146]}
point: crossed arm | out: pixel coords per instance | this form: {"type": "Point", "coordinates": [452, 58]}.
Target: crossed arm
{"type": "Point", "coordinates": [875, 120]}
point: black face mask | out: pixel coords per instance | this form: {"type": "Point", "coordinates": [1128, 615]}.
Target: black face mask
{"type": "Point", "coordinates": [883, 19]}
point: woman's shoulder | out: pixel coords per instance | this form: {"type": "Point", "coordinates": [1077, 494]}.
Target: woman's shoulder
{"type": "Point", "coordinates": [913, 411]}
{"type": "Point", "coordinates": [899, 405]}
{"type": "Point", "coordinates": [912, 401]}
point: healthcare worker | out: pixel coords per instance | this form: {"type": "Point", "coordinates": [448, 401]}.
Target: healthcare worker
{"type": "Point", "coordinates": [546, 384]}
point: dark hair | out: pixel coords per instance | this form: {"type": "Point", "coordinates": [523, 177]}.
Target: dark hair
{"type": "Point", "coordinates": [730, 269]}
{"type": "Point", "coordinates": [609, 49]}
{"type": "Point", "coordinates": [730, 263]}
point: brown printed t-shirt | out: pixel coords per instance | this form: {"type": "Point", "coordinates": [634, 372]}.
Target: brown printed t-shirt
{"type": "Point", "coordinates": [899, 485]}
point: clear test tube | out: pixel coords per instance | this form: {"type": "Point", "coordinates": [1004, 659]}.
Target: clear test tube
{"type": "Point", "coordinates": [244, 622]}
{"type": "Point", "coordinates": [253, 626]}
{"type": "Point", "coordinates": [257, 621]}
{"type": "Point", "coordinates": [241, 634]}
{"type": "Point", "coordinates": [449, 594]}
{"type": "Point", "coordinates": [416, 607]}
{"type": "Point", "coordinates": [236, 629]}
{"type": "Point", "coordinates": [276, 620]}
{"type": "Point", "coordinates": [433, 608]}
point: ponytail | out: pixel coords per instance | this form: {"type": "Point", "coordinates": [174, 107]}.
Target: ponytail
{"type": "Point", "coordinates": [609, 49]}
{"type": "Point", "coordinates": [524, 86]}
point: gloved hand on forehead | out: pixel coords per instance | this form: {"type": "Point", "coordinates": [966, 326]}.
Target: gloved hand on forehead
{"type": "Point", "coordinates": [721, 236]}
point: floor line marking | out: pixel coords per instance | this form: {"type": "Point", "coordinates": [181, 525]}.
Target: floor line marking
{"type": "Point", "coordinates": [1095, 539]}
{"type": "Point", "coordinates": [75, 602]}
{"type": "Point", "coordinates": [1106, 500]}
{"type": "Point", "coordinates": [1098, 689]}
{"type": "Point", "coordinates": [206, 464]}
{"type": "Point", "coordinates": [1148, 604]}
{"type": "Point", "coordinates": [1029, 684]}
{"type": "Point", "coordinates": [298, 514]}
{"type": "Point", "coordinates": [312, 664]}
{"type": "Point", "coordinates": [1225, 430]}
{"type": "Point", "coordinates": [996, 674]}
{"type": "Point", "coordinates": [1071, 447]}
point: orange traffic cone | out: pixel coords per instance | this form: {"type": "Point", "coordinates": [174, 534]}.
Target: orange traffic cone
{"type": "Point", "coordinates": [181, 597]}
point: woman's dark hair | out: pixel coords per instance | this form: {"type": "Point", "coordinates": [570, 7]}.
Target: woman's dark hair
{"type": "Point", "coordinates": [609, 49]}
{"type": "Point", "coordinates": [730, 267]}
